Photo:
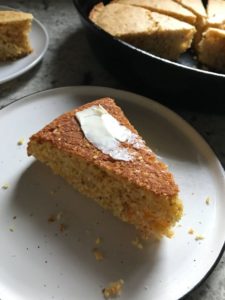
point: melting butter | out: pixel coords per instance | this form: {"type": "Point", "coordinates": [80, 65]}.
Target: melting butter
{"type": "Point", "coordinates": [106, 133]}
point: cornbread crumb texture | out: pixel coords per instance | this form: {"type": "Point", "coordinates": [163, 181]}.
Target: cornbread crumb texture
{"type": "Point", "coordinates": [141, 192]}
{"type": "Point", "coordinates": [212, 49]}
{"type": "Point", "coordinates": [114, 289]}
{"type": "Point", "coordinates": [156, 33]}
{"type": "Point", "coordinates": [14, 29]}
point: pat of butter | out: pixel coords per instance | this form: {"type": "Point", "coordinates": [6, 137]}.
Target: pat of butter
{"type": "Point", "coordinates": [106, 133]}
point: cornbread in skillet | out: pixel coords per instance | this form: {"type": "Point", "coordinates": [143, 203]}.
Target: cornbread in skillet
{"type": "Point", "coordinates": [216, 13]}
{"type": "Point", "coordinates": [153, 32]}
{"type": "Point", "coordinates": [96, 11]}
{"type": "Point", "coordinates": [140, 191]}
{"type": "Point", "coordinates": [14, 30]}
{"type": "Point", "coordinates": [212, 49]}
{"type": "Point", "coordinates": [197, 8]}
{"type": "Point", "coordinates": [166, 7]}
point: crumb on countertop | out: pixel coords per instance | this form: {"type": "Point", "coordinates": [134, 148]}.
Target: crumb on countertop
{"type": "Point", "coordinates": [98, 254]}
{"type": "Point", "coordinates": [114, 289]}
{"type": "Point", "coordinates": [199, 237]}
{"type": "Point", "coordinates": [20, 142]}
{"type": "Point", "coordinates": [207, 201]}
{"type": "Point", "coordinates": [137, 243]}
{"type": "Point", "coordinates": [191, 231]}
{"type": "Point", "coordinates": [5, 186]}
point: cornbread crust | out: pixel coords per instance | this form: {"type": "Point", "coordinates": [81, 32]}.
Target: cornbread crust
{"type": "Point", "coordinates": [96, 10]}
{"type": "Point", "coordinates": [156, 33]}
{"type": "Point", "coordinates": [141, 192]}
{"type": "Point", "coordinates": [14, 29]}
{"type": "Point", "coordinates": [167, 7]}
{"type": "Point", "coordinates": [212, 49]}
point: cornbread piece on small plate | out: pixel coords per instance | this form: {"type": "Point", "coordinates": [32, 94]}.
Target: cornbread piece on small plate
{"type": "Point", "coordinates": [156, 33]}
{"type": "Point", "coordinates": [98, 151]}
{"type": "Point", "coordinates": [14, 34]}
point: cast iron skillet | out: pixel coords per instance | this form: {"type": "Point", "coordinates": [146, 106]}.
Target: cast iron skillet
{"type": "Point", "coordinates": [183, 82]}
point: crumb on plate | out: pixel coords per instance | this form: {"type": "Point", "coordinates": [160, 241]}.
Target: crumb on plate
{"type": "Point", "coordinates": [207, 201]}
{"type": "Point", "coordinates": [199, 237]}
{"type": "Point", "coordinates": [98, 241]}
{"type": "Point", "coordinates": [137, 243]}
{"type": "Point", "coordinates": [98, 254]}
{"type": "Point", "coordinates": [5, 186]}
{"type": "Point", "coordinates": [114, 289]}
{"type": "Point", "coordinates": [20, 142]}
{"type": "Point", "coordinates": [191, 231]}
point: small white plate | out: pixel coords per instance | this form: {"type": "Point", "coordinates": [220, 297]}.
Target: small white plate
{"type": "Point", "coordinates": [40, 262]}
{"type": "Point", "coordinates": [39, 42]}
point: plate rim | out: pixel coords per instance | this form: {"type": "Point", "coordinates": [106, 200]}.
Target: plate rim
{"type": "Point", "coordinates": [148, 101]}
{"type": "Point", "coordinates": [37, 59]}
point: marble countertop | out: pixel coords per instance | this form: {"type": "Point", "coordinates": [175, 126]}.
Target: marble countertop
{"type": "Point", "coordinates": [67, 40]}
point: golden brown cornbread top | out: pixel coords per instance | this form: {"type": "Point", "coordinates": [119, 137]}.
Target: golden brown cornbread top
{"type": "Point", "coordinates": [145, 170]}
{"type": "Point", "coordinates": [216, 13]}
{"type": "Point", "coordinates": [167, 7]}
{"type": "Point", "coordinates": [14, 16]}
{"type": "Point", "coordinates": [195, 6]}
{"type": "Point", "coordinates": [122, 20]}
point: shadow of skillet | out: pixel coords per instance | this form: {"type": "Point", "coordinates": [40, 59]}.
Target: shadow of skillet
{"type": "Point", "coordinates": [73, 63]}
{"type": "Point", "coordinates": [86, 221]}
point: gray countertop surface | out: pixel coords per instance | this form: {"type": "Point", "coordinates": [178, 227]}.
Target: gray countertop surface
{"type": "Point", "coordinates": [70, 61]}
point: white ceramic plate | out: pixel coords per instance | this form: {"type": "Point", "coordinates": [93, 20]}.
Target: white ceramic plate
{"type": "Point", "coordinates": [40, 262]}
{"type": "Point", "coordinates": [39, 42]}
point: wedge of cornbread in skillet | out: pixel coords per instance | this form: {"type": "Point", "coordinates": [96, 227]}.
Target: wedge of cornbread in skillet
{"type": "Point", "coordinates": [166, 7]}
{"type": "Point", "coordinates": [153, 32]}
{"type": "Point", "coordinates": [197, 8]}
{"type": "Point", "coordinates": [14, 30]}
{"type": "Point", "coordinates": [135, 186]}
{"type": "Point", "coordinates": [216, 13]}
{"type": "Point", "coordinates": [211, 50]}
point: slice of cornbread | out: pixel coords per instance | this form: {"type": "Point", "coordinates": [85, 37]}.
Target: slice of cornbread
{"type": "Point", "coordinates": [153, 32]}
{"type": "Point", "coordinates": [14, 30]}
{"type": "Point", "coordinates": [140, 190]}
{"type": "Point", "coordinates": [216, 13]}
{"type": "Point", "coordinates": [166, 7]}
{"type": "Point", "coordinates": [211, 50]}
{"type": "Point", "coordinates": [197, 8]}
